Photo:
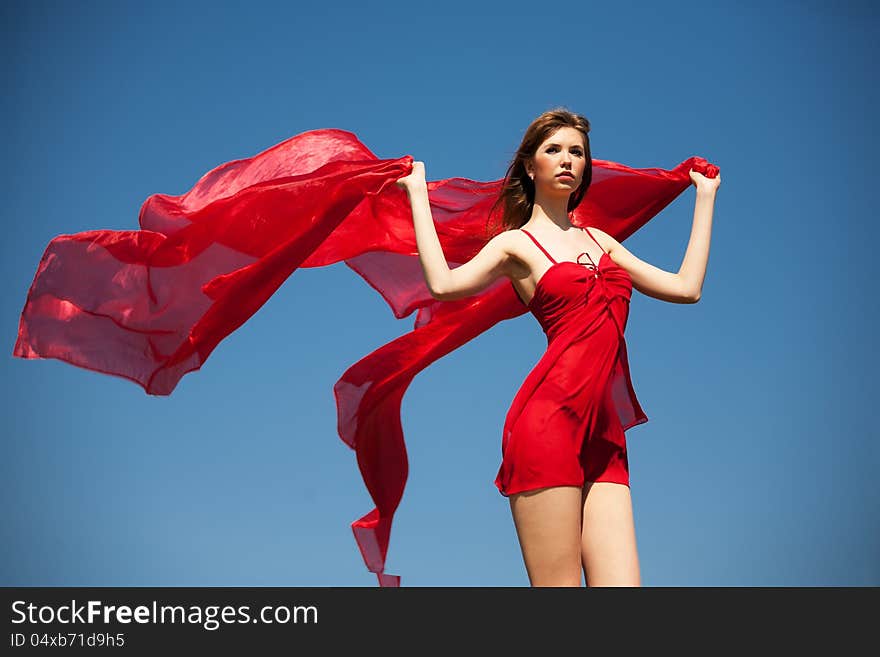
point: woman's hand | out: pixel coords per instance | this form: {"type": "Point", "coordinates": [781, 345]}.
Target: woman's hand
{"type": "Point", "coordinates": [704, 184]}
{"type": "Point", "coordinates": [415, 179]}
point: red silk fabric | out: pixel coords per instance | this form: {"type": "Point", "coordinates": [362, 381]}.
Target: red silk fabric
{"type": "Point", "coordinates": [150, 305]}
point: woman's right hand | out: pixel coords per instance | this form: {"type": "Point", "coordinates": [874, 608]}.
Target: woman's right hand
{"type": "Point", "coordinates": [415, 178]}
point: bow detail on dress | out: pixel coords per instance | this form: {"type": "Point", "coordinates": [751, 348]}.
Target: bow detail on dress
{"type": "Point", "coordinates": [607, 283]}
{"type": "Point", "coordinates": [589, 265]}
{"type": "Point", "coordinates": [593, 267]}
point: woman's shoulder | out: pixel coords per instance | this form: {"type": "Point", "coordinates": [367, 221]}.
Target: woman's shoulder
{"type": "Point", "coordinates": [606, 241]}
{"type": "Point", "coordinates": [516, 240]}
{"type": "Point", "coordinates": [511, 242]}
{"type": "Point", "coordinates": [507, 239]}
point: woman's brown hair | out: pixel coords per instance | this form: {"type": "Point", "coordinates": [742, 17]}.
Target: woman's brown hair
{"type": "Point", "coordinates": [517, 195]}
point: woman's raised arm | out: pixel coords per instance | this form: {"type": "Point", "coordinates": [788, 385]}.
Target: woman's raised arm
{"type": "Point", "coordinates": [685, 286]}
{"type": "Point", "coordinates": [447, 284]}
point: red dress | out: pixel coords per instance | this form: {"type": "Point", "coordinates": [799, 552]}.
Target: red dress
{"type": "Point", "coordinates": [566, 423]}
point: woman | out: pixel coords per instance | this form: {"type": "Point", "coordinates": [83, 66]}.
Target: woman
{"type": "Point", "coordinates": [564, 466]}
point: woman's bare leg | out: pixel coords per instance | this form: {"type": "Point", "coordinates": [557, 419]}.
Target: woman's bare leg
{"type": "Point", "coordinates": [548, 524]}
{"type": "Point", "coordinates": [608, 543]}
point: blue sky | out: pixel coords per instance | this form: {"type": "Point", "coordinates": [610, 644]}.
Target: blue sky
{"type": "Point", "coordinates": [758, 464]}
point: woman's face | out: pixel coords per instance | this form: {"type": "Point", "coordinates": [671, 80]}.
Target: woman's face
{"type": "Point", "coordinates": [562, 152]}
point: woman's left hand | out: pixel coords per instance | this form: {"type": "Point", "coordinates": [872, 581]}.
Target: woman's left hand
{"type": "Point", "coordinates": [416, 178]}
{"type": "Point", "coordinates": [702, 183]}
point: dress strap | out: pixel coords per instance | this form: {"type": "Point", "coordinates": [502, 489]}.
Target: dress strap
{"type": "Point", "coordinates": [594, 239]}
{"type": "Point", "coordinates": [539, 245]}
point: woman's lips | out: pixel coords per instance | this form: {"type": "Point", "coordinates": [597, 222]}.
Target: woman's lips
{"type": "Point", "coordinates": [566, 176]}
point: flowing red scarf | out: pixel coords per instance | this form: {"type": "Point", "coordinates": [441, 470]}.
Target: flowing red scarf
{"type": "Point", "coordinates": [150, 305]}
